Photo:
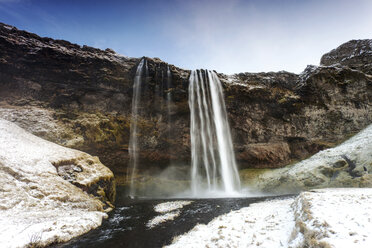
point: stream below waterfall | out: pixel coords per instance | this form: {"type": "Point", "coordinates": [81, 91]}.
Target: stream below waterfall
{"type": "Point", "coordinates": [127, 224]}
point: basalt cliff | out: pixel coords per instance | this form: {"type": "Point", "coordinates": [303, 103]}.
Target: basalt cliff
{"type": "Point", "coordinates": [80, 97]}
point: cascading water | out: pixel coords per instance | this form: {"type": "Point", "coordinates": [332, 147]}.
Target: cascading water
{"type": "Point", "coordinates": [169, 101]}
{"type": "Point", "coordinates": [139, 80]}
{"type": "Point", "coordinates": [213, 165]}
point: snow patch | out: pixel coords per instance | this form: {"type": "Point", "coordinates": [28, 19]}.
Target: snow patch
{"type": "Point", "coordinates": [170, 206]}
{"type": "Point", "coordinates": [8, 27]}
{"type": "Point", "coordinates": [169, 210]}
{"type": "Point", "coordinates": [163, 218]}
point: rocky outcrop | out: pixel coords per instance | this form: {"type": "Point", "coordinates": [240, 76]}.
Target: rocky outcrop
{"type": "Point", "coordinates": [289, 123]}
{"type": "Point", "coordinates": [347, 165]}
{"type": "Point", "coordinates": [48, 193]}
{"type": "Point", "coordinates": [80, 97]}
{"type": "Point", "coordinates": [355, 54]}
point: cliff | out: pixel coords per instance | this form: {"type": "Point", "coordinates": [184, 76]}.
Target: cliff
{"type": "Point", "coordinates": [80, 97]}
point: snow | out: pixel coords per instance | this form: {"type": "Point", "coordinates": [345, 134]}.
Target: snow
{"type": "Point", "coordinates": [338, 218]}
{"type": "Point", "coordinates": [170, 206]}
{"type": "Point", "coordinates": [327, 168]}
{"type": "Point", "coordinates": [7, 27]}
{"type": "Point", "coordinates": [265, 224]}
{"type": "Point", "coordinates": [169, 211]}
{"type": "Point", "coordinates": [36, 204]}
{"type": "Point", "coordinates": [358, 147]}
{"type": "Point", "coordinates": [40, 122]}
{"type": "Point", "coordinates": [157, 220]}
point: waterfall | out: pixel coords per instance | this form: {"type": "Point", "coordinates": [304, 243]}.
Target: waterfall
{"type": "Point", "coordinates": [169, 101]}
{"type": "Point", "coordinates": [139, 80]}
{"type": "Point", "coordinates": [213, 165]}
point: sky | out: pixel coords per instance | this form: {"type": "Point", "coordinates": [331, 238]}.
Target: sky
{"type": "Point", "coordinates": [228, 36]}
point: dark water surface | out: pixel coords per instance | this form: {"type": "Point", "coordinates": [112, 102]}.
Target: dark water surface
{"type": "Point", "coordinates": [126, 225]}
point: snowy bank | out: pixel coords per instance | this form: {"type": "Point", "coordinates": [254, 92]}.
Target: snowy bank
{"type": "Point", "coordinates": [347, 165]}
{"type": "Point", "coordinates": [265, 224]}
{"type": "Point", "coordinates": [44, 190]}
{"type": "Point", "coordinates": [321, 218]}
{"type": "Point", "coordinates": [340, 218]}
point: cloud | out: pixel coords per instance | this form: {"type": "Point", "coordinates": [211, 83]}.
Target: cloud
{"type": "Point", "coordinates": [235, 36]}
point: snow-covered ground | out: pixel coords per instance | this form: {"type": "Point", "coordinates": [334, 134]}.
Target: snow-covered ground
{"type": "Point", "coordinates": [37, 206]}
{"type": "Point", "coordinates": [347, 165]}
{"type": "Point", "coordinates": [339, 218]}
{"type": "Point", "coordinates": [266, 224]}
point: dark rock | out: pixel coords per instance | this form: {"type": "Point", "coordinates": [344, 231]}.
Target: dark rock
{"type": "Point", "coordinates": [81, 97]}
{"type": "Point", "coordinates": [356, 54]}
{"type": "Point", "coordinates": [340, 164]}
{"type": "Point", "coordinates": [352, 166]}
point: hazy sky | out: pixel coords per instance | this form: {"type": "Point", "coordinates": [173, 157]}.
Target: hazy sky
{"type": "Point", "coordinates": [226, 35]}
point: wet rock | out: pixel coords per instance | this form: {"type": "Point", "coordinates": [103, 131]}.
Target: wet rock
{"type": "Point", "coordinates": [265, 155]}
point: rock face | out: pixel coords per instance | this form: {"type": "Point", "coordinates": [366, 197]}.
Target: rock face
{"type": "Point", "coordinates": [356, 54]}
{"type": "Point", "coordinates": [48, 193]}
{"type": "Point", "coordinates": [347, 165]}
{"type": "Point", "coordinates": [288, 117]}
{"type": "Point", "coordinates": [80, 97]}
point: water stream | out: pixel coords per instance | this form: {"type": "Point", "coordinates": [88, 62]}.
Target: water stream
{"type": "Point", "coordinates": [139, 80]}
{"type": "Point", "coordinates": [169, 102]}
{"type": "Point", "coordinates": [213, 165]}
{"type": "Point", "coordinates": [127, 223]}
{"type": "Point", "coordinates": [213, 169]}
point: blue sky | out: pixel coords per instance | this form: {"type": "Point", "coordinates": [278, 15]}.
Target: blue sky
{"type": "Point", "coordinates": [226, 35]}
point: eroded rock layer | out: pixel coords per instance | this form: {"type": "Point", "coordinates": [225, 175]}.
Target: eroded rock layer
{"type": "Point", "coordinates": [80, 97]}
